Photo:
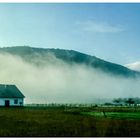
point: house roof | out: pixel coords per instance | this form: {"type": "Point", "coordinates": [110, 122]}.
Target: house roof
{"type": "Point", "coordinates": [10, 91]}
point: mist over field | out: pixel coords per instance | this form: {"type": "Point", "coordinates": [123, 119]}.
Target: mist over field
{"type": "Point", "coordinates": [59, 82]}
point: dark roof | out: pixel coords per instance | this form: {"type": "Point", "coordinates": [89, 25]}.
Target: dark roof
{"type": "Point", "coordinates": [10, 91]}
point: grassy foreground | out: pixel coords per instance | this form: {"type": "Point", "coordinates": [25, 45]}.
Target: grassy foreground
{"type": "Point", "coordinates": [65, 122]}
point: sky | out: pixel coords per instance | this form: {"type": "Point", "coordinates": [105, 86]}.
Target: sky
{"type": "Point", "coordinates": [107, 31]}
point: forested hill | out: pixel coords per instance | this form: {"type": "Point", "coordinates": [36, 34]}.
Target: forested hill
{"type": "Point", "coordinates": [38, 56]}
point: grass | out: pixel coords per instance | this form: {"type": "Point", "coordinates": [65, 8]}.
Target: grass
{"type": "Point", "coordinates": [69, 122]}
{"type": "Point", "coordinates": [115, 115]}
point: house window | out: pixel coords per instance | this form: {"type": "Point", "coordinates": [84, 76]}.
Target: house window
{"type": "Point", "coordinates": [15, 101]}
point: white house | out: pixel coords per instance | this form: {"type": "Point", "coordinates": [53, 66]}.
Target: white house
{"type": "Point", "coordinates": [10, 95]}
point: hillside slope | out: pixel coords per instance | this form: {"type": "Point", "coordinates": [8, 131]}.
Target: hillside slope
{"type": "Point", "coordinates": [38, 56]}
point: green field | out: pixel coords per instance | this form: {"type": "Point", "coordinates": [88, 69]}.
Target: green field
{"type": "Point", "coordinates": [70, 122]}
{"type": "Point", "coordinates": [115, 115]}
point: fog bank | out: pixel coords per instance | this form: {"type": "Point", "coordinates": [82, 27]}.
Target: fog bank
{"type": "Point", "coordinates": [59, 82]}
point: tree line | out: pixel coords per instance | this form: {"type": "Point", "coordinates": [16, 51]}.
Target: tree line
{"type": "Point", "coordinates": [127, 101]}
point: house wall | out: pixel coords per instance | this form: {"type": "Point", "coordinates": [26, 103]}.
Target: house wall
{"type": "Point", "coordinates": [11, 101]}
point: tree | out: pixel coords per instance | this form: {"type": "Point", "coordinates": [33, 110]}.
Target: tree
{"type": "Point", "coordinates": [130, 101]}
{"type": "Point", "coordinates": [117, 101]}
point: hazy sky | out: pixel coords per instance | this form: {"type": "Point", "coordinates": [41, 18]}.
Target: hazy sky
{"type": "Point", "coordinates": [108, 31]}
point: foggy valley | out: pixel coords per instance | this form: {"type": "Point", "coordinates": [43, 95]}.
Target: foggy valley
{"type": "Point", "coordinates": [56, 81]}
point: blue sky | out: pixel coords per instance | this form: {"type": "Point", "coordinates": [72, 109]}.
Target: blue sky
{"type": "Point", "coordinates": [108, 31]}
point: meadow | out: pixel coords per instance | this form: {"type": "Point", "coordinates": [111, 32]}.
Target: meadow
{"type": "Point", "coordinates": [65, 121]}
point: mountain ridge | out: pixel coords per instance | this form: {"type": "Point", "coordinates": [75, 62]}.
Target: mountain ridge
{"type": "Point", "coordinates": [71, 57]}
